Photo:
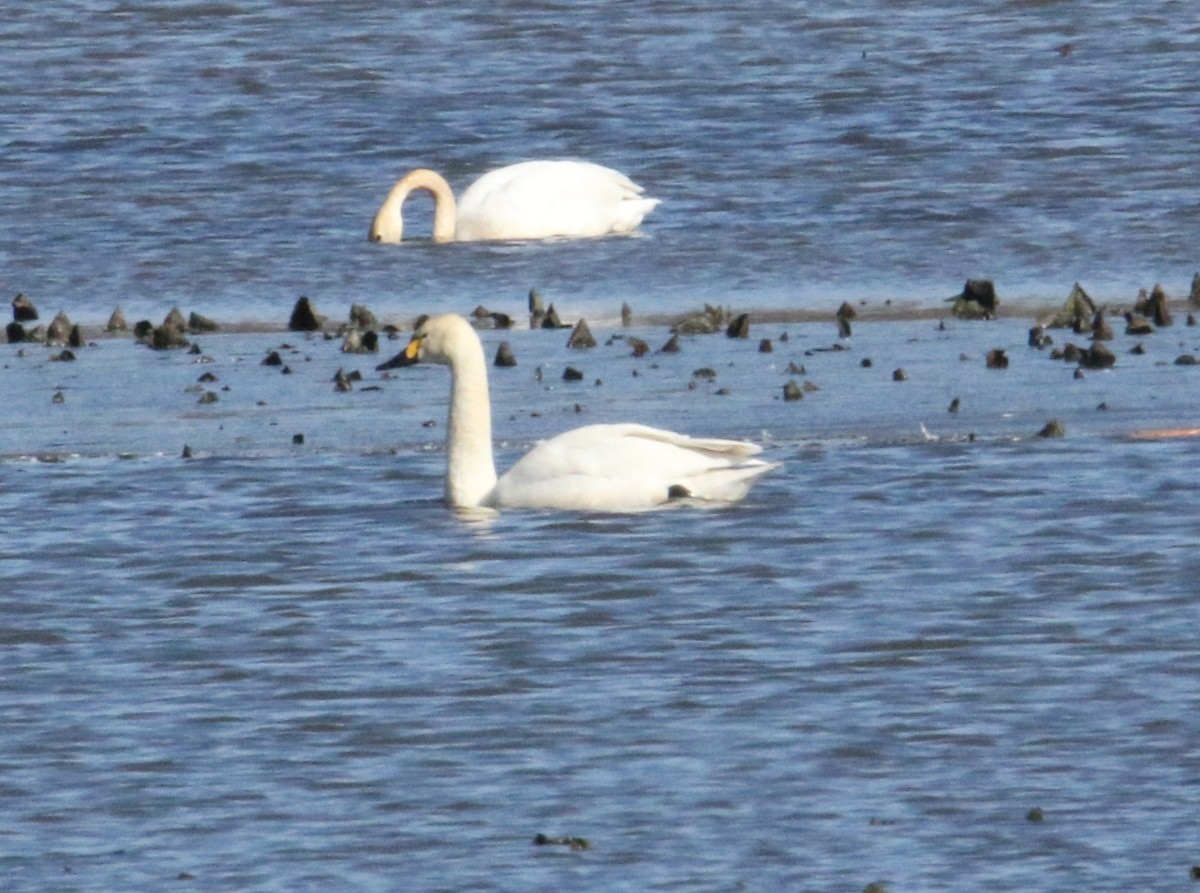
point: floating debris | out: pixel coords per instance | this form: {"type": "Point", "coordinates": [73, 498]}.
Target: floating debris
{"type": "Point", "coordinates": [574, 843]}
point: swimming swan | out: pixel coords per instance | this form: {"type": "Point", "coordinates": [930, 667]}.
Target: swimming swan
{"type": "Point", "coordinates": [615, 468]}
{"type": "Point", "coordinates": [530, 200]}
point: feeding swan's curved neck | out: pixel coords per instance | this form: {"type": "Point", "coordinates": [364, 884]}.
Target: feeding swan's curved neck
{"type": "Point", "coordinates": [445, 211]}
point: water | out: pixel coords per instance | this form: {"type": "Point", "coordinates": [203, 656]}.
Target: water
{"type": "Point", "coordinates": [229, 157]}
{"type": "Point", "coordinates": [283, 665]}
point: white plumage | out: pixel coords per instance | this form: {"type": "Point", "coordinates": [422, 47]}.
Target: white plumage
{"type": "Point", "coordinates": [618, 468]}
{"type": "Point", "coordinates": [530, 200]}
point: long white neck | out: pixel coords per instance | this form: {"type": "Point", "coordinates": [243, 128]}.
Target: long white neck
{"type": "Point", "coordinates": [388, 225]}
{"type": "Point", "coordinates": [470, 470]}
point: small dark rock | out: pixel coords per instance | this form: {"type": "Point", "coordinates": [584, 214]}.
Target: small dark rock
{"type": "Point", "coordinates": [899, 375]}
{"type": "Point", "coordinates": [505, 357]}
{"type": "Point", "coordinates": [581, 336]}
{"type": "Point", "coordinates": [795, 368]}
{"type": "Point", "coordinates": [75, 339]}
{"type": "Point", "coordinates": [639, 347]}
{"type": "Point", "coordinates": [187, 452]}
{"type": "Point", "coordinates": [572, 374]}
{"type": "Point", "coordinates": [954, 405]}
{"type": "Point", "coordinates": [704, 374]}
{"type": "Point", "coordinates": [1035, 814]}
{"type": "Point", "coordinates": [116, 322]}
{"type": "Point", "coordinates": [197, 323]}
{"type": "Point", "coordinates": [1137, 325]}
{"type": "Point", "coordinates": [174, 320]}
{"type": "Point", "coordinates": [304, 317]}
{"type": "Point", "coordinates": [23, 309]}
{"type": "Point", "coordinates": [551, 320]}
{"type": "Point", "coordinates": [1097, 357]}
{"type": "Point", "coordinates": [997, 359]}
{"type": "Point", "coordinates": [792, 391]}
{"type": "Point", "coordinates": [15, 332]}
{"type": "Point", "coordinates": [297, 439]}
{"type": "Point", "coordinates": [740, 327]}
{"type": "Point", "coordinates": [1038, 337]}
{"type": "Point", "coordinates": [209, 397]}
{"type": "Point", "coordinates": [143, 329]}
{"type": "Point", "coordinates": [977, 300]}
{"type": "Point", "coordinates": [537, 311]}
{"type": "Point", "coordinates": [1138, 349]}
{"type": "Point", "coordinates": [765, 346]}
{"type": "Point", "coordinates": [1053, 428]}
{"type": "Point", "coordinates": [59, 329]}
{"type": "Point", "coordinates": [168, 338]}
{"type": "Point", "coordinates": [672, 345]}
{"type": "Point", "coordinates": [866, 362]}
{"type": "Point", "coordinates": [1186, 359]}
{"type": "Point", "coordinates": [1101, 330]}
{"type": "Point", "coordinates": [65, 357]}
{"type": "Point", "coordinates": [272, 359]}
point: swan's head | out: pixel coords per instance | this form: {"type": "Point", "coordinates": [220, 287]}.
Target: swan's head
{"type": "Point", "coordinates": [440, 339]}
{"type": "Point", "coordinates": [387, 226]}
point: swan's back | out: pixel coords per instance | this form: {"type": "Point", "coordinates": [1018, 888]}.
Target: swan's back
{"type": "Point", "coordinates": [628, 467]}
{"type": "Point", "coordinates": [543, 199]}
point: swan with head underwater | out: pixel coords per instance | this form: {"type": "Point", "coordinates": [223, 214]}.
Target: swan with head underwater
{"type": "Point", "coordinates": [613, 468]}
{"type": "Point", "coordinates": [530, 200]}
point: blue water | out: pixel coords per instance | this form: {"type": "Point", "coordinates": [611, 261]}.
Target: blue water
{"type": "Point", "coordinates": [229, 157]}
{"type": "Point", "coordinates": [284, 665]}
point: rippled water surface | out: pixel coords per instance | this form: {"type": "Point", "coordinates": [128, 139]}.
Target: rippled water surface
{"type": "Point", "coordinates": [286, 666]}
{"type": "Point", "coordinates": [934, 651]}
{"type": "Point", "coordinates": [229, 156]}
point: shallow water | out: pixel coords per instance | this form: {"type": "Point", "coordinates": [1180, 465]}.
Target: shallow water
{"type": "Point", "coordinates": [284, 665]}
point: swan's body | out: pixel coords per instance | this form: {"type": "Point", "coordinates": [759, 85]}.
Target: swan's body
{"type": "Point", "coordinates": [616, 468]}
{"type": "Point", "coordinates": [530, 200]}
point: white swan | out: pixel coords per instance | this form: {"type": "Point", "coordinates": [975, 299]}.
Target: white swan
{"type": "Point", "coordinates": [615, 468]}
{"type": "Point", "coordinates": [530, 200]}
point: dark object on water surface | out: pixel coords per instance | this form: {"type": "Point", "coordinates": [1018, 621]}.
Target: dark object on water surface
{"type": "Point", "coordinates": [23, 309]}
{"type": "Point", "coordinates": [575, 843]}
{"type": "Point", "coordinates": [997, 359]}
{"type": "Point", "coordinates": [304, 317]}
{"type": "Point", "coordinates": [740, 327]}
{"type": "Point", "coordinates": [1154, 306]}
{"type": "Point", "coordinates": [1053, 428]}
{"type": "Point", "coordinates": [505, 357]}
{"type": "Point", "coordinates": [977, 301]}
{"type": "Point", "coordinates": [581, 337]}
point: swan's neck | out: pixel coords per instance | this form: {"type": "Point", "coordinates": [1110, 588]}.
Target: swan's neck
{"type": "Point", "coordinates": [445, 211]}
{"type": "Point", "coordinates": [470, 470]}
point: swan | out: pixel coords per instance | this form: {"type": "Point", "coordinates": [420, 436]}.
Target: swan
{"type": "Point", "coordinates": [530, 200]}
{"type": "Point", "coordinates": [616, 468]}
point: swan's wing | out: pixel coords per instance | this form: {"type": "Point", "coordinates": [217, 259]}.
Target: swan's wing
{"type": "Point", "coordinates": [628, 467]}
{"type": "Point", "coordinates": [542, 199]}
